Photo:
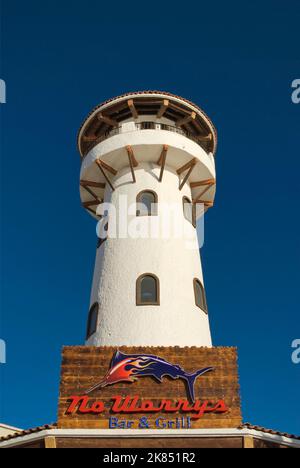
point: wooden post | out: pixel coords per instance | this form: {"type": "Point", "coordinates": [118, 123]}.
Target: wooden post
{"type": "Point", "coordinates": [162, 161]}
{"type": "Point", "coordinates": [103, 166]}
{"type": "Point", "coordinates": [50, 442]}
{"type": "Point", "coordinates": [248, 442]}
{"type": "Point", "coordinates": [190, 166]}
{"type": "Point", "coordinates": [132, 161]}
{"type": "Point", "coordinates": [196, 200]}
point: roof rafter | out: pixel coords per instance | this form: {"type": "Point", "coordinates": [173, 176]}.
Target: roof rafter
{"type": "Point", "coordinates": [186, 119]}
{"type": "Point", "coordinates": [107, 119]}
{"type": "Point", "coordinates": [205, 137]}
{"type": "Point", "coordinates": [88, 138]}
{"type": "Point", "coordinates": [163, 108]}
{"type": "Point", "coordinates": [132, 108]}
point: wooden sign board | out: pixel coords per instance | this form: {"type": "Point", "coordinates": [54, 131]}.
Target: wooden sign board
{"type": "Point", "coordinates": [160, 401]}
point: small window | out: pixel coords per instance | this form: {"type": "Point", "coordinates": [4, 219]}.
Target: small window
{"type": "Point", "coordinates": [147, 290]}
{"type": "Point", "coordinates": [146, 203]}
{"type": "Point", "coordinates": [200, 298]}
{"type": "Point", "coordinates": [189, 211]}
{"type": "Point", "coordinates": [92, 320]}
{"type": "Point", "coordinates": [102, 239]}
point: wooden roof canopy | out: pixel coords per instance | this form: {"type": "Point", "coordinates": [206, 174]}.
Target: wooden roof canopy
{"type": "Point", "coordinates": [110, 114]}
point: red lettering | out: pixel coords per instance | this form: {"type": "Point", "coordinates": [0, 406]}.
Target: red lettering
{"type": "Point", "coordinates": [82, 404]}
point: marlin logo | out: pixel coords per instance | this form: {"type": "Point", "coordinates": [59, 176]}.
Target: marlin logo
{"type": "Point", "coordinates": [129, 367]}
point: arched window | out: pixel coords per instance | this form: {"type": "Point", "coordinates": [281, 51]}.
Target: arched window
{"type": "Point", "coordinates": [200, 298]}
{"type": "Point", "coordinates": [103, 236]}
{"type": "Point", "coordinates": [92, 320]}
{"type": "Point", "coordinates": [146, 203]}
{"type": "Point", "coordinates": [147, 290]}
{"type": "Point", "coordinates": [189, 210]}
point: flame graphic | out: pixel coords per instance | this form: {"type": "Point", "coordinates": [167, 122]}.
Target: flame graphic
{"type": "Point", "coordinates": [127, 370]}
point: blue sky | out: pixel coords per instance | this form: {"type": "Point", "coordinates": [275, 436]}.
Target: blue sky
{"type": "Point", "coordinates": [237, 61]}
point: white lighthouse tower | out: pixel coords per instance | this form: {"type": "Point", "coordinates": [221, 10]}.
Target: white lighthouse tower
{"type": "Point", "coordinates": [152, 150]}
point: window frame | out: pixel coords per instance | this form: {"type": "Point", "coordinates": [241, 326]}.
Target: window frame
{"type": "Point", "coordinates": [138, 290]}
{"type": "Point", "coordinates": [88, 333]}
{"type": "Point", "coordinates": [138, 200]}
{"type": "Point", "coordinates": [101, 240]}
{"type": "Point", "coordinates": [195, 282]}
{"type": "Point", "coordinates": [193, 220]}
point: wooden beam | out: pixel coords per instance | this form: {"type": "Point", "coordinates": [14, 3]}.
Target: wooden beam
{"type": "Point", "coordinates": [206, 203]}
{"type": "Point", "coordinates": [107, 167]}
{"type": "Point", "coordinates": [200, 127]}
{"type": "Point", "coordinates": [188, 118]}
{"type": "Point", "coordinates": [50, 442]}
{"type": "Point", "coordinates": [132, 162]}
{"type": "Point", "coordinates": [186, 166]}
{"type": "Point", "coordinates": [91, 183]}
{"type": "Point", "coordinates": [130, 151]}
{"type": "Point", "coordinates": [162, 161]}
{"type": "Point", "coordinates": [86, 204]}
{"type": "Point", "coordinates": [179, 108]}
{"type": "Point", "coordinates": [132, 108]}
{"type": "Point", "coordinates": [90, 191]}
{"type": "Point", "coordinates": [107, 120]}
{"type": "Point", "coordinates": [94, 127]}
{"type": "Point", "coordinates": [187, 176]}
{"type": "Point", "coordinates": [196, 200]}
{"type": "Point", "coordinates": [88, 138]}
{"type": "Point", "coordinates": [162, 108]}
{"type": "Point", "coordinates": [92, 211]}
{"type": "Point", "coordinates": [165, 149]}
{"type": "Point", "coordinates": [205, 137]}
{"type": "Point", "coordinates": [103, 166]}
{"type": "Point", "coordinates": [200, 183]}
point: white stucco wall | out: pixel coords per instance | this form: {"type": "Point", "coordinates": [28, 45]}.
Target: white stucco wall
{"type": "Point", "coordinates": [119, 262]}
{"type": "Point", "coordinates": [147, 146]}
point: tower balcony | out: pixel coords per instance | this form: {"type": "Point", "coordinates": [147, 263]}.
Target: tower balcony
{"type": "Point", "coordinates": [147, 125]}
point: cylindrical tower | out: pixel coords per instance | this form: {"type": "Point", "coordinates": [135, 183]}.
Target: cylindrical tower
{"type": "Point", "coordinates": [147, 161]}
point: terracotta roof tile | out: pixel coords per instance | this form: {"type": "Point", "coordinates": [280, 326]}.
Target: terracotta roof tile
{"type": "Point", "coordinates": [243, 426]}
{"type": "Point", "coordinates": [28, 431]}
{"type": "Point", "coordinates": [268, 431]}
